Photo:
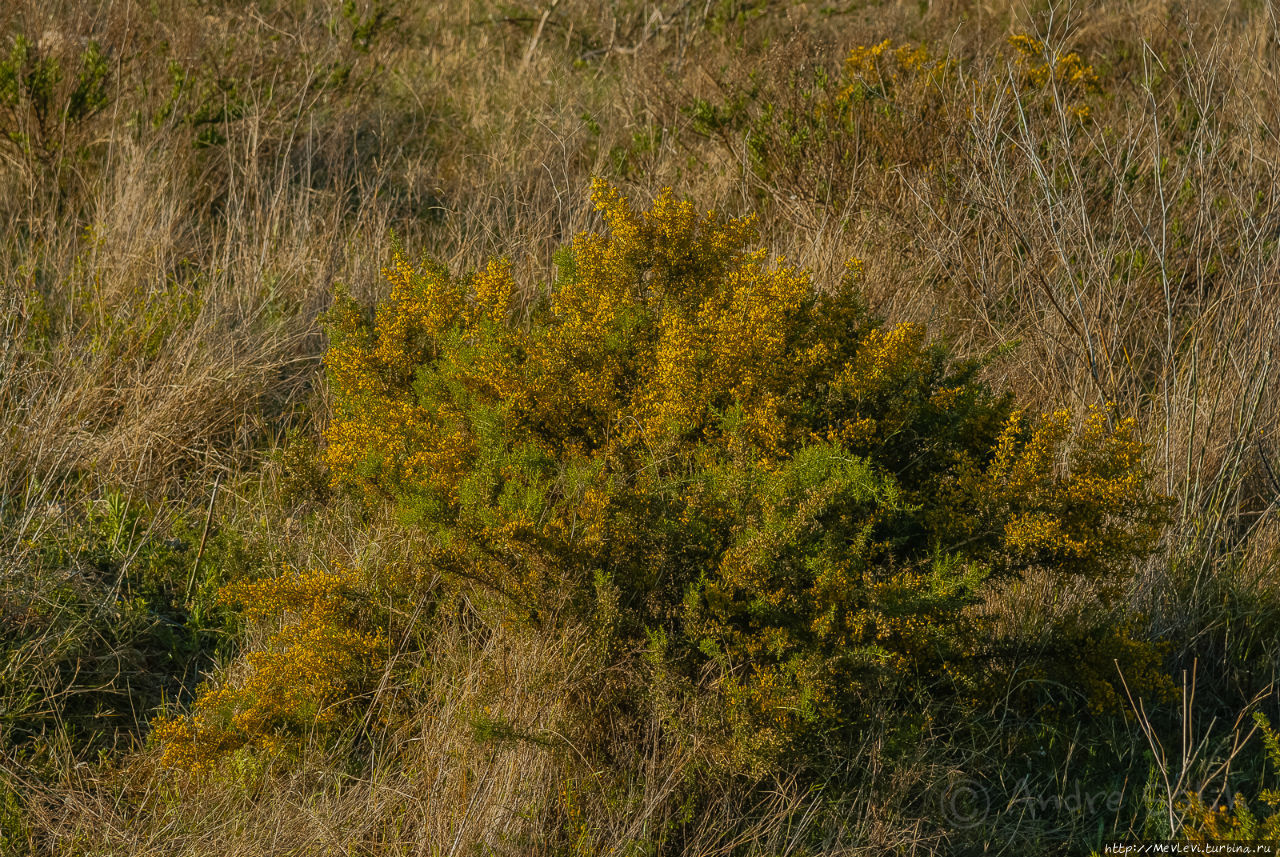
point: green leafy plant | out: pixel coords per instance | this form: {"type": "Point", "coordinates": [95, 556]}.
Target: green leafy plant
{"type": "Point", "coordinates": [102, 620]}
{"type": "Point", "coordinates": [44, 95]}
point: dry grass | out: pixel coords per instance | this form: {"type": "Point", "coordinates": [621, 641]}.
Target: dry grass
{"type": "Point", "coordinates": [165, 260]}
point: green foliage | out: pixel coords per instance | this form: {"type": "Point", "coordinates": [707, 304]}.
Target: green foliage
{"type": "Point", "coordinates": [14, 834]}
{"type": "Point", "coordinates": [134, 330]}
{"type": "Point", "coordinates": [1239, 821]}
{"type": "Point", "coordinates": [101, 625]}
{"type": "Point", "coordinates": [324, 68]}
{"type": "Point", "coordinates": [365, 28]}
{"type": "Point", "coordinates": [786, 492]}
{"type": "Point", "coordinates": [40, 101]}
{"type": "Point", "coordinates": [303, 479]}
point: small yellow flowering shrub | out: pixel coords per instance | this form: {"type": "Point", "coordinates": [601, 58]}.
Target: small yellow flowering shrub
{"type": "Point", "coordinates": [313, 663]}
{"type": "Point", "coordinates": [787, 491]}
{"type": "Point", "coordinates": [884, 70]}
{"type": "Point", "coordinates": [889, 105]}
{"type": "Point", "coordinates": [894, 105]}
{"type": "Point", "coordinates": [1239, 822]}
{"type": "Point", "coordinates": [1066, 74]}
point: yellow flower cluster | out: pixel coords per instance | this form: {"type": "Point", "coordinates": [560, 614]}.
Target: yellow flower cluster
{"type": "Point", "coordinates": [885, 356]}
{"type": "Point", "coordinates": [1065, 69]}
{"type": "Point", "coordinates": [883, 67]}
{"type": "Point", "coordinates": [1234, 823]}
{"type": "Point", "coordinates": [893, 71]}
{"type": "Point", "coordinates": [321, 592]}
{"type": "Point", "coordinates": [1066, 72]}
{"type": "Point", "coordinates": [1076, 495]}
{"type": "Point", "coordinates": [665, 326]}
{"type": "Point", "coordinates": [311, 665]}
{"type": "Point", "coordinates": [1040, 531]}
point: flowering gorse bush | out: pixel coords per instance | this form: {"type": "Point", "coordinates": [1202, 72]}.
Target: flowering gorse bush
{"type": "Point", "coordinates": [779, 486]}
{"type": "Point", "coordinates": [313, 662]}
{"type": "Point", "coordinates": [1064, 73]}
{"type": "Point", "coordinates": [889, 72]}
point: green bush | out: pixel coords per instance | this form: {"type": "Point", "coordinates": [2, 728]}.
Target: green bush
{"type": "Point", "coordinates": [44, 94]}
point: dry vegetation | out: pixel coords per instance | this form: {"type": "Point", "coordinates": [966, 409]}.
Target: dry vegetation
{"type": "Point", "coordinates": [1092, 208]}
